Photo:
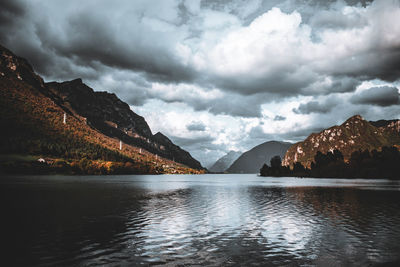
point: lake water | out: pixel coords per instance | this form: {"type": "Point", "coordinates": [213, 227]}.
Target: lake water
{"type": "Point", "coordinates": [208, 220]}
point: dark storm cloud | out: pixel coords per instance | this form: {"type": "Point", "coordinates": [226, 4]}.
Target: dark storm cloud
{"type": "Point", "coordinates": [376, 63]}
{"type": "Point", "coordinates": [344, 84]}
{"type": "Point", "coordinates": [316, 106]}
{"type": "Point", "coordinates": [93, 39]}
{"type": "Point", "coordinates": [188, 142]}
{"type": "Point", "coordinates": [380, 96]}
{"type": "Point", "coordinates": [134, 97]}
{"type": "Point", "coordinates": [226, 103]}
{"type": "Point", "coordinates": [196, 126]}
{"type": "Point", "coordinates": [81, 44]}
{"type": "Point", "coordinates": [19, 30]}
{"type": "Point", "coordinates": [235, 106]}
{"type": "Point", "coordinates": [301, 134]}
{"type": "Point", "coordinates": [57, 49]}
{"type": "Point", "coordinates": [279, 118]}
{"type": "Point", "coordinates": [9, 11]}
{"type": "Point", "coordinates": [283, 81]}
{"type": "Point", "coordinates": [257, 135]}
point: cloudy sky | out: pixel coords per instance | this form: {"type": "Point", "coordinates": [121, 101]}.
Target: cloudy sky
{"type": "Point", "coordinates": [220, 75]}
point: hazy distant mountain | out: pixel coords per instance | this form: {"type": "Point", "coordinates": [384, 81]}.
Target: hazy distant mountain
{"type": "Point", "coordinates": [252, 160]}
{"type": "Point", "coordinates": [354, 134]}
{"type": "Point", "coordinates": [224, 162]}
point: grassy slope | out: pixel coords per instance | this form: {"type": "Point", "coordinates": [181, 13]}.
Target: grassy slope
{"type": "Point", "coordinates": [32, 125]}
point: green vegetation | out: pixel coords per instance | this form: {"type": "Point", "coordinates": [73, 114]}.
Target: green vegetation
{"type": "Point", "coordinates": [383, 164]}
{"type": "Point", "coordinates": [32, 124]}
{"type": "Point", "coordinates": [62, 166]}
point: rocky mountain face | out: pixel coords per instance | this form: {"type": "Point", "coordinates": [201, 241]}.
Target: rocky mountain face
{"type": "Point", "coordinates": [250, 161]}
{"type": "Point", "coordinates": [171, 151]}
{"type": "Point", "coordinates": [101, 109]}
{"type": "Point", "coordinates": [354, 134]}
{"type": "Point", "coordinates": [19, 68]}
{"type": "Point", "coordinates": [113, 117]}
{"type": "Point", "coordinates": [102, 112]}
{"type": "Point", "coordinates": [224, 162]}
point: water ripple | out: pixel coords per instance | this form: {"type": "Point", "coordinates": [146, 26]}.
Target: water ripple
{"type": "Point", "coordinates": [218, 221]}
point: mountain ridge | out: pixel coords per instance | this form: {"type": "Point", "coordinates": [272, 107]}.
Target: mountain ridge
{"type": "Point", "coordinates": [32, 112]}
{"type": "Point", "coordinates": [113, 117]}
{"type": "Point", "coordinates": [352, 135]}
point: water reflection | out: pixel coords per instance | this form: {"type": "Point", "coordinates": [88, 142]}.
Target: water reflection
{"type": "Point", "coordinates": [207, 220]}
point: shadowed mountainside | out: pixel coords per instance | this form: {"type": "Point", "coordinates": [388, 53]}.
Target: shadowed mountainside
{"type": "Point", "coordinates": [224, 162]}
{"type": "Point", "coordinates": [250, 161]}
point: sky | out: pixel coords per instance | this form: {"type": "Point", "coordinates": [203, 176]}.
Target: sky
{"type": "Point", "coordinates": [216, 76]}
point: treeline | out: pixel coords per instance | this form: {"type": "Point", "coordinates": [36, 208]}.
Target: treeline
{"type": "Point", "coordinates": [383, 164]}
{"type": "Point", "coordinates": [65, 148]}
{"type": "Point", "coordinates": [83, 166]}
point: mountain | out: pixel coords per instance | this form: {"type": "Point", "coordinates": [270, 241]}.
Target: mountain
{"type": "Point", "coordinates": [224, 162]}
{"type": "Point", "coordinates": [32, 124]}
{"type": "Point", "coordinates": [101, 109]}
{"type": "Point", "coordinates": [250, 161]}
{"type": "Point", "coordinates": [114, 118]}
{"type": "Point", "coordinates": [354, 134]}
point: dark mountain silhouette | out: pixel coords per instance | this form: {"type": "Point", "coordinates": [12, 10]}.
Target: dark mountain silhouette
{"type": "Point", "coordinates": [250, 161]}
{"type": "Point", "coordinates": [101, 109]}
{"type": "Point", "coordinates": [224, 162]}
{"type": "Point", "coordinates": [353, 135]}
{"type": "Point", "coordinates": [32, 122]}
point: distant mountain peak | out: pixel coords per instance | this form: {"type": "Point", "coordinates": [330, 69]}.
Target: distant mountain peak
{"type": "Point", "coordinates": [252, 160]}
{"type": "Point", "coordinates": [225, 161]}
{"type": "Point", "coordinates": [355, 118]}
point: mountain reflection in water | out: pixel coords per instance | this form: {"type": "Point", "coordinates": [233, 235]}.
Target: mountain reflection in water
{"type": "Point", "coordinates": [202, 219]}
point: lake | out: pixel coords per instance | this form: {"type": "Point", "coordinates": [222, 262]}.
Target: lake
{"type": "Point", "coordinates": [208, 220]}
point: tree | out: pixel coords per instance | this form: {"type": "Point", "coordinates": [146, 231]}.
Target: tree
{"type": "Point", "coordinates": [298, 168]}
{"type": "Point", "coordinates": [276, 162]}
{"type": "Point", "coordinates": [338, 156]}
{"type": "Point", "coordinates": [264, 171]}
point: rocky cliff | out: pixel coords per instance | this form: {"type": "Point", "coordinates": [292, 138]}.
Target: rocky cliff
{"type": "Point", "coordinates": [32, 112]}
{"type": "Point", "coordinates": [101, 109]}
{"type": "Point", "coordinates": [354, 134]}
